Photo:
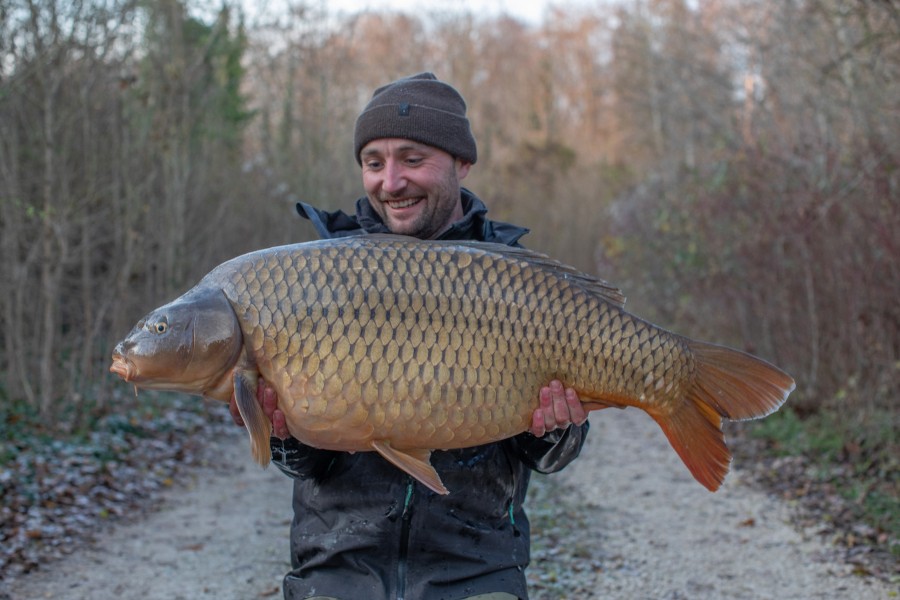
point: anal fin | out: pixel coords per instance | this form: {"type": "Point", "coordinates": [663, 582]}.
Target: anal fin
{"type": "Point", "coordinates": [415, 462]}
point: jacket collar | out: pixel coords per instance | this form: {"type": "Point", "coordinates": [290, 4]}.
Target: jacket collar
{"type": "Point", "coordinates": [473, 226]}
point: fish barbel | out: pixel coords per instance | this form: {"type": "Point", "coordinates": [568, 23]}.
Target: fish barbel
{"type": "Point", "coordinates": [402, 346]}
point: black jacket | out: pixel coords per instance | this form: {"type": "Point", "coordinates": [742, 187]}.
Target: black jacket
{"type": "Point", "coordinates": [362, 528]}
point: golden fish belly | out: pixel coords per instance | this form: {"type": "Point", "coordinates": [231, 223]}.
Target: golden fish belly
{"type": "Point", "coordinates": [438, 347]}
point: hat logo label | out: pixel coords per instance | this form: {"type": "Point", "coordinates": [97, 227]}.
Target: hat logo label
{"type": "Point", "coordinates": [403, 109]}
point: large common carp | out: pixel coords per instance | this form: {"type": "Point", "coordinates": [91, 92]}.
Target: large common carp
{"type": "Point", "coordinates": [403, 346]}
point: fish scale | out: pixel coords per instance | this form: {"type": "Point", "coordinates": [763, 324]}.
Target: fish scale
{"type": "Point", "coordinates": [402, 346]}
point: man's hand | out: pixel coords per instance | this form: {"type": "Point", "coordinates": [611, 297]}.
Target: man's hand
{"type": "Point", "coordinates": [559, 409]}
{"type": "Point", "coordinates": [265, 395]}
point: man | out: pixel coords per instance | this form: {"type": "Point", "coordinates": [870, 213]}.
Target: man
{"type": "Point", "coordinates": [362, 528]}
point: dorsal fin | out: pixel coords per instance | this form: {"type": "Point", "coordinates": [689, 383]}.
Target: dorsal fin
{"type": "Point", "coordinates": [593, 284]}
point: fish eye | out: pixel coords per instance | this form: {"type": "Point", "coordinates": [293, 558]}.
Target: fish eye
{"type": "Point", "coordinates": [159, 327]}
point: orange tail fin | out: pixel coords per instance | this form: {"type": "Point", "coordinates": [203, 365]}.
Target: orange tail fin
{"type": "Point", "coordinates": [727, 384]}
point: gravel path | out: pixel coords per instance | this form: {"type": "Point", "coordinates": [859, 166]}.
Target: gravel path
{"type": "Point", "coordinates": [651, 532]}
{"type": "Point", "coordinates": [221, 533]}
{"type": "Point", "coordinates": [660, 535]}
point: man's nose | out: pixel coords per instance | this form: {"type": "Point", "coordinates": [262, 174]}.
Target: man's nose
{"type": "Point", "coordinates": [394, 178]}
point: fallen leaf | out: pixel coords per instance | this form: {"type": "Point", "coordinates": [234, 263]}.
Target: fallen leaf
{"type": "Point", "coordinates": [192, 547]}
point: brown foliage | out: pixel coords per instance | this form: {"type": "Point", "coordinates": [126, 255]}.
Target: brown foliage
{"type": "Point", "coordinates": [732, 165]}
{"type": "Point", "coordinates": [784, 239]}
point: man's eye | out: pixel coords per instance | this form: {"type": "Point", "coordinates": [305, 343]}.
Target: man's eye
{"type": "Point", "coordinates": [373, 165]}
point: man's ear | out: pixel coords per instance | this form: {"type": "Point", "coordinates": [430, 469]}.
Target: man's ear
{"type": "Point", "coordinates": [462, 168]}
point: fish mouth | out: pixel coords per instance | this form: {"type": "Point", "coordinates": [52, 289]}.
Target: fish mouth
{"type": "Point", "coordinates": [122, 367]}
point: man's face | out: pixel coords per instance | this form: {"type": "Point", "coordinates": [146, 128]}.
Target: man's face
{"type": "Point", "coordinates": [413, 187]}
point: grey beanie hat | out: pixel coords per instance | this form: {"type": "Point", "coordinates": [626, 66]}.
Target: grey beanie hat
{"type": "Point", "coordinates": [419, 108]}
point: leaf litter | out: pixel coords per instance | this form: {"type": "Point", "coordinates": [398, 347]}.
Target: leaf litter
{"type": "Point", "coordinates": [58, 493]}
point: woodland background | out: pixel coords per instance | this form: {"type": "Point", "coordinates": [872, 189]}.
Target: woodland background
{"type": "Point", "coordinates": [732, 165]}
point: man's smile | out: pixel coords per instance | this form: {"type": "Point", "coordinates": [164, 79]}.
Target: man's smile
{"type": "Point", "coordinates": [400, 203]}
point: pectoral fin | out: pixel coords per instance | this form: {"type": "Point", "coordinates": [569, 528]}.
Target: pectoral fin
{"type": "Point", "coordinates": [415, 462]}
{"type": "Point", "coordinates": [256, 421]}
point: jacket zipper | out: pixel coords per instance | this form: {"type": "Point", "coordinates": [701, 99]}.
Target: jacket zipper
{"type": "Point", "coordinates": [405, 520]}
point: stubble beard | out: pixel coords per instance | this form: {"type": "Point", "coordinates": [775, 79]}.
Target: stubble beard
{"type": "Point", "coordinates": [436, 216]}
